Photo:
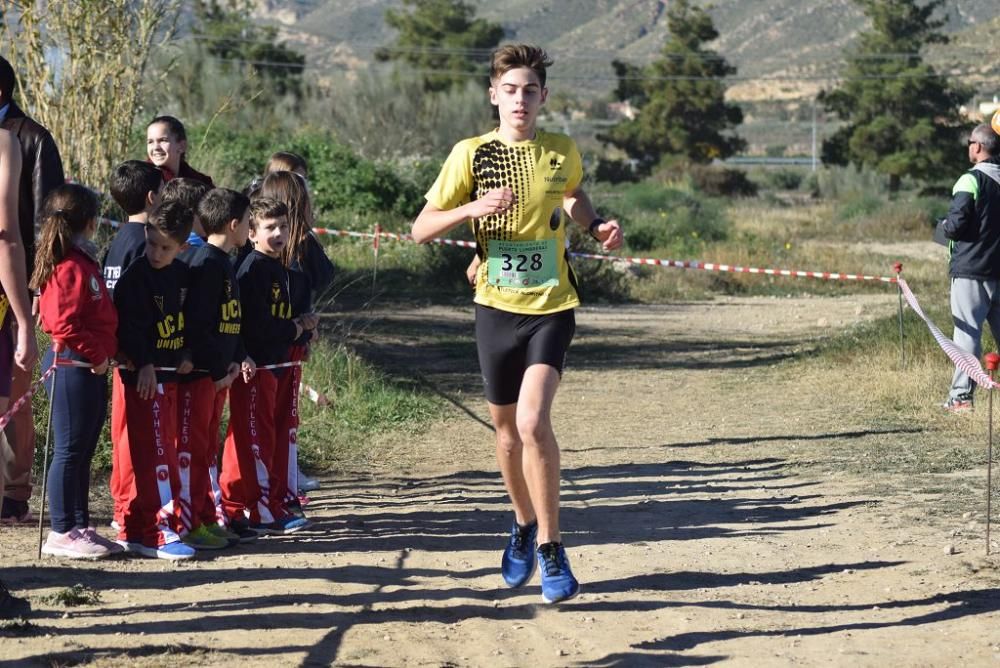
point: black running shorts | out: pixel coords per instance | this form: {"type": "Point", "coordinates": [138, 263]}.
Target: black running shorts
{"type": "Point", "coordinates": [508, 343]}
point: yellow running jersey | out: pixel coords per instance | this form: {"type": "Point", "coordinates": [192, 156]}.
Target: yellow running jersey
{"type": "Point", "coordinates": [523, 250]}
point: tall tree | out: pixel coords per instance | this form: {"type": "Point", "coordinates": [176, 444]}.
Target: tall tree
{"type": "Point", "coordinates": [901, 117]}
{"type": "Point", "coordinates": [680, 97]}
{"type": "Point", "coordinates": [442, 39]}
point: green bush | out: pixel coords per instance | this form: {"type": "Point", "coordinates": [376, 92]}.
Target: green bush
{"type": "Point", "coordinates": [784, 179]}
{"type": "Point", "coordinates": [339, 180]}
{"type": "Point", "coordinates": [614, 171]}
{"type": "Point", "coordinates": [859, 205]}
{"type": "Point", "coordinates": [722, 181]}
{"type": "Point", "coordinates": [898, 220]}
{"type": "Point", "coordinates": [658, 216]}
{"type": "Point", "coordinates": [838, 182]}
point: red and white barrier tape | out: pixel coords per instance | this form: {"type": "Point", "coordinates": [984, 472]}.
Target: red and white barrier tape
{"type": "Point", "coordinates": [314, 395]}
{"type": "Point", "coordinates": [965, 361]}
{"type": "Point", "coordinates": [736, 269]}
{"type": "Point", "coordinates": [325, 231]}
{"type": "Point", "coordinates": [679, 264]}
{"type": "Point", "coordinates": [88, 365]}
{"type": "Point", "coordinates": [26, 397]}
{"type": "Point", "coordinates": [648, 261]}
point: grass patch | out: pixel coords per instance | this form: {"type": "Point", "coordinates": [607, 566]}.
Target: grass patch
{"type": "Point", "coordinates": [912, 446]}
{"type": "Point", "coordinates": [72, 597]}
{"type": "Point", "coordinates": [364, 404]}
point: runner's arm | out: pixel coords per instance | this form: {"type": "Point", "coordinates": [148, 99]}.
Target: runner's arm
{"type": "Point", "coordinates": [13, 272]}
{"type": "Point", "coordinates": [434, 222]}
{"type": "Point", "coordinates": [578, 207]}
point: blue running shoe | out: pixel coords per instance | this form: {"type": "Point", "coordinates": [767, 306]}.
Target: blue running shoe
{"type": "Point", "coordinates": [282, 527]}
{"type": "Point", "coordinates": [518, 564]}
{"type": "Point", "coordinates": [174, 551]}
{"type": "Point", "coordinates": [558, 583]}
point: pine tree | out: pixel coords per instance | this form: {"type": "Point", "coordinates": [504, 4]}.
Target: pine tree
{"type": "Point", "coordinates": [901, 117]}
{"type": "Point", "coordinates": [442, 40]}
{"type": "Point", "coordinates": [680, 98]}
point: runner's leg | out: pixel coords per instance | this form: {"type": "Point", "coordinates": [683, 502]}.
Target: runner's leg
{"type": "Point", "coordinates": [509, 457]}
{"type": "Point", "coordinates": [540, 456]}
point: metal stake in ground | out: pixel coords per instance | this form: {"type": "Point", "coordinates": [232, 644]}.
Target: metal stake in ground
{"type": "Point", "coordinates": [898, 268]}
{"type": "Point", "coordinates": [375, 245]}
{"type": "Point", "coordinates": [45, 458]}
{"type": "Point", "coordinates": [992, 363]}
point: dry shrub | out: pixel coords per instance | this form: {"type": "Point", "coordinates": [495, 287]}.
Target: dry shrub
{"type": "Point", "coordinates": [81, 65]}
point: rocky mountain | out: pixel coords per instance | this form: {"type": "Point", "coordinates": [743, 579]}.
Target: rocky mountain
{"type": "Point", "coordinates": [784, 49]}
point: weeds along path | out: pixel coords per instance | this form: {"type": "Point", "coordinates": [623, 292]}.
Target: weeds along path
{"type": "Point", "coordinates": [710, 508]}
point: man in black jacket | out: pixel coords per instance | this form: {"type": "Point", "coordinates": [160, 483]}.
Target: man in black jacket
{"type": "Point", "coordinates": [41, 171]}
{"type": "Point", "coordinates": [973, 230]}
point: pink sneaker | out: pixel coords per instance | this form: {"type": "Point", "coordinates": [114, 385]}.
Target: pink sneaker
{"type": "Point", "coordinates": [73, 545]}
{"type": "Point", "coordinates": [111, 546]}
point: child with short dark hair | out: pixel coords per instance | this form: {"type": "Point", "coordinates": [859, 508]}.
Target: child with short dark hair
{"type": "Point", "coordinates": [188, 192]}
{"type": "Point", "coordinates": [252, 464]}
{"type": "Point", "coordinates": [149, 297]}
{"type": "Point", "coordinates": [212, 315]}
{"type": "Point", "coordinates": [77, 312]}
{"type": "Point", "coordinates": [135, 187]}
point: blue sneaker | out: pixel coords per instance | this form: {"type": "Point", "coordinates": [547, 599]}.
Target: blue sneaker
{"type": "Point", "coordinates": [282, 527]}
{"type": "Point", "coordinates": [518, 564]}
{"type": "Point", "coordinates": [558, 583]}
{"type": "Point", "coordinates": [174, 551]}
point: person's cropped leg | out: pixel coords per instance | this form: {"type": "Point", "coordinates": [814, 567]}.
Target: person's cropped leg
{"type": "Point", "coordinates": [970, 305]}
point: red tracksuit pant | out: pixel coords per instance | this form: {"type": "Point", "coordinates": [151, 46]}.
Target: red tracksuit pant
{"type": "Point", "coordinates": [122, 478]}
{"type": "Point", "coordinates": [247, 456]}
{"type": "Point", "coordinates": [152, 514]}
{"type": "Point", "coordinates": [285, 470]}
{"type": "Point", "coordinates": [199, 411]}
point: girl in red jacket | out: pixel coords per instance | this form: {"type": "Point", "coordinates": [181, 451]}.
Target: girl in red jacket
{"type": "Point", "coordinates": [79, 315]}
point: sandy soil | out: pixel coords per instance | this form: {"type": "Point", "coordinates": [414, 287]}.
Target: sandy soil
{"type": "Point", "coordinates": [697, 534]}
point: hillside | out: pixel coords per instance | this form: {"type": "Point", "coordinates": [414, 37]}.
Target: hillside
{"type": "Point", "coordinates": [797, 44]}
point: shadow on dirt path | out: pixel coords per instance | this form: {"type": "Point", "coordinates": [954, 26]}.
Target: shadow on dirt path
{"type": "Point", "coordinates": [697, 534]}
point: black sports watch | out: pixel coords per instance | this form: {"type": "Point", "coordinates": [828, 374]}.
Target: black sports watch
{"type": "Point", "coordinates": [594, 224]}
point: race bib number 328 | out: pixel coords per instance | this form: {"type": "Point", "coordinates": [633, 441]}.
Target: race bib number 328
{"type": "Point", "coordinates": [522, 264]}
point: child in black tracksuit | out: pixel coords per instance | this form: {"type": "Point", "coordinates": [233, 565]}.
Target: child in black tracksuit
{"type": "Point", "coordinates": [212, 325]}
{"type": "Point", "coordinates": [311, 273]}
{"type": "Point", "coordinates": [135, 187]}
{"type": "Point", "coordinates": [149, 296]}
{"type": "Point", "coordinates": [255, 467]}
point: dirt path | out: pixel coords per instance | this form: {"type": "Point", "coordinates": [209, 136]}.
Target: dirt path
{"type": "Point", "coordinates": [699, 533]}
